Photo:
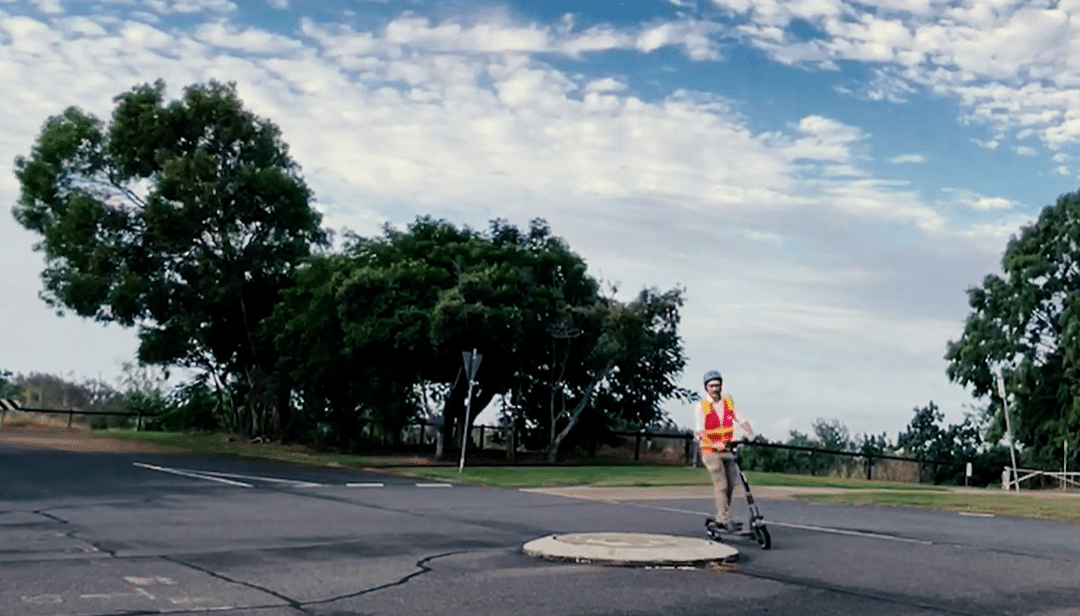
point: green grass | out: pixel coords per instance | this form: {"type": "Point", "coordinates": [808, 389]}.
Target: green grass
{"type": "Point", "coordinates": [1024, 505]}
{"type": "Point", "coordinates": [804, 481]}
{"type": "Point", "coordinates": [629, 474]}
{"type": "Point", "coordinates": [615, 474]}
{"type": "Point", "coordinates": [636, 475]}
{"type": "Point", "coordinates": [619, 475]}
{"type": "Point", "coordinates": [217, 443]}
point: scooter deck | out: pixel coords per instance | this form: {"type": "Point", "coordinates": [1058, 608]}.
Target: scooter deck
{"type": "Point", "coordinates": [715, 531]}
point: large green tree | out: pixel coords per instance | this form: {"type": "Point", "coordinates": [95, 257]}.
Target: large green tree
{"type": "Point", "coordinates": [183, 218]}
{"type": "Point", "coordinates": [631, 363]}
{"type": "Point", "coordinates": [1028, 321]}
{"type": "Point", "coordinates": [363, 332]}
{"type": "Point", "coordinates": [400, 309]}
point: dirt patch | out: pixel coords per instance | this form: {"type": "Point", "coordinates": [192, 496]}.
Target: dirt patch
{"type": "Point", "coordinates": [82, 440]}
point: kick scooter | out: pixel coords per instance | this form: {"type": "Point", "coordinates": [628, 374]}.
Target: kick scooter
{"type": "Point", "coordinates": [757, 531]}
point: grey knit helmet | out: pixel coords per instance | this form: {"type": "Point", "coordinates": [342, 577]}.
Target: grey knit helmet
{"type": "Point", "coordinates": [712, 375]}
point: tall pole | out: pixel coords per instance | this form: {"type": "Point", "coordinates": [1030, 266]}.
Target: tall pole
{"type": "Point", "coordinates": [1008, 428]}
{"type": "Point", "coordinates": [472, 364]}
{"type": "Point", "coordinates": [465, 427]}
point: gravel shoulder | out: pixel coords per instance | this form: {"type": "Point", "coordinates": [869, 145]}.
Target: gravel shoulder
{"type": "Point", "coordinates": [74, 439]}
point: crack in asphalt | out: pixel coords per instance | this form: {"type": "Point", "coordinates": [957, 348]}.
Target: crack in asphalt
{"type": "Point", "coordinates": [420, 564]}
{"type": "Point", "coordinates": [300, 606]}
{"type": "Point", "coordinates": [289, 601]}
{"type": "Point", "coordinates": [71, 534]}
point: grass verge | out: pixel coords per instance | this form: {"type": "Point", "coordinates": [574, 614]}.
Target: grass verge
{"type": "Point", "coordinates": [628, 474]}
{"type": "Point", "coordinates": [625, 474]}
{"type": "Point", "coordinates": [217, 443]}
{"type": "Point", "coordinates": [634, 475]}
{"type": "Point", "coordinates": [1046, 507]}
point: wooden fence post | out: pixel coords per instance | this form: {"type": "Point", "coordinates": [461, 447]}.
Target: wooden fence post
{"type": "Point", "coordinates": [637, 445]}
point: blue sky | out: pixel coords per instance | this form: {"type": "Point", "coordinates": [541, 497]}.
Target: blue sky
{"type": "Point", "coordinates": [825, 177]}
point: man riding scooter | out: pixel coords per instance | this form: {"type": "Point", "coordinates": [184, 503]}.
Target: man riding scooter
{"type": "Point", "coordinates": [715, 421]}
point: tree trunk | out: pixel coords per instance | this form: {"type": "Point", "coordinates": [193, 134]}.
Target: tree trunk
{"type": "Point", "coordinates": [453, 409]}
{"type": "Point", "coordinates": [553, 448]}
{"type": "Point", "coordinates": [454, 414]}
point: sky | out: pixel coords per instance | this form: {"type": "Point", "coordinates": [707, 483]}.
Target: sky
{"type": "Point", "coordinates": [825, 178]}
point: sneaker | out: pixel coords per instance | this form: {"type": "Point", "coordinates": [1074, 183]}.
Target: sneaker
{"type": "Point", "coordinates": [733, 526]}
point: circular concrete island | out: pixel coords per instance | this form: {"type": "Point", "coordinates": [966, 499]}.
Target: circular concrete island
{"type": "Point", "coordinates": [631, 549]}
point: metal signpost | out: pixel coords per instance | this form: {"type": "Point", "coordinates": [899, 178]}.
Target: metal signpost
{"type": "Point", "coordinates": [472, 364]}
{"type": "Point", "coordinates": [1008, 428]}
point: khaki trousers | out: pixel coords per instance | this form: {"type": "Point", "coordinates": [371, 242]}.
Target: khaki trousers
{"type": "Point", "coordinates": [724, 473]}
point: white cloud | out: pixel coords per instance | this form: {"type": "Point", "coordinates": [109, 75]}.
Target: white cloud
{"type": "Point", "coordinates": [420, 33]}
{"type": "Point", "coordinates": [990, 144]}
{"type": "Point", "coordinates": [50, 7]}
{"type": "Point", "coordinates": [1024, 150]}
{"type": "Point", "coordinates": [1013, 65]}
{"type": "Point", "coordinates": [167, 7]}
{"type": "Point", "coordinates": [693, 36]}
{"type": "Point", "coordinates": [470, 122]}
{"type": "Point", "coordinates": [993, 203]}
{"type": "Point", "coordinates": [907, 158]}
{"type": "Point", "coordinates": [248, 39]}
{"type": "Point", "coordinates": [607, 84]}
{"type": "Point", "coordinates": [967, 198]}
{"type": "Point", "coordinates": [280, 5]}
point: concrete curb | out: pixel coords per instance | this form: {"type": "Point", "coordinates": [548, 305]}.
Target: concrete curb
{"type": "Point", "coordinates": [631, 550]}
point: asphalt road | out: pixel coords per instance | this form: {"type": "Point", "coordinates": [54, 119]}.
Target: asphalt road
{"type": "Point", "coordinates": [112, 534]}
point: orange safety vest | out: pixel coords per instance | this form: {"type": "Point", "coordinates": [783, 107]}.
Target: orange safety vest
{"type": "Point", "coordinates": [719, 430]}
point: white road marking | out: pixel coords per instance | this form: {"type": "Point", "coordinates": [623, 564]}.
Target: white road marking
{"type": "Point", "coordinates": [175, 471]}
{"type": "Point", "coordinates": [364, 485]}
{"type": "Point", "coordinates": [294, 482]}
{"type": "Point", "coordinates": [820, 529]}
{"type": "Point", "coordinates": [147, 581]}
{"type": "Point", "coordinates": [434, 485]}
{"type": "Point", "coordinates": [187, 600]}
{"type": "Point", "coordinates": [854, 533]}
{"type": "Point", "coordinates": [972, 514]}
{"type": "Point", "coordinates": [43, 599]}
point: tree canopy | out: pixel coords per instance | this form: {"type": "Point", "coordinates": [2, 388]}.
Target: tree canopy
{"type": "Point", "coordinates": [1028, 321]}
{"type": "Point", "coordinates": [189, 220]}
{"type": "Point", "coordinates": [183, 218]}
{"type": "Point", "coordinates": [365, 333]}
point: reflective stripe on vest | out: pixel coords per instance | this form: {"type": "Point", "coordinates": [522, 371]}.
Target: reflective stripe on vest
{"type": "Point", "coordinates": [718, 430]}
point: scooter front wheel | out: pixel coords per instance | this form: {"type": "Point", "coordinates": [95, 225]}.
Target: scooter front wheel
{"type": "Point", "coordinates": [761, 535]}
